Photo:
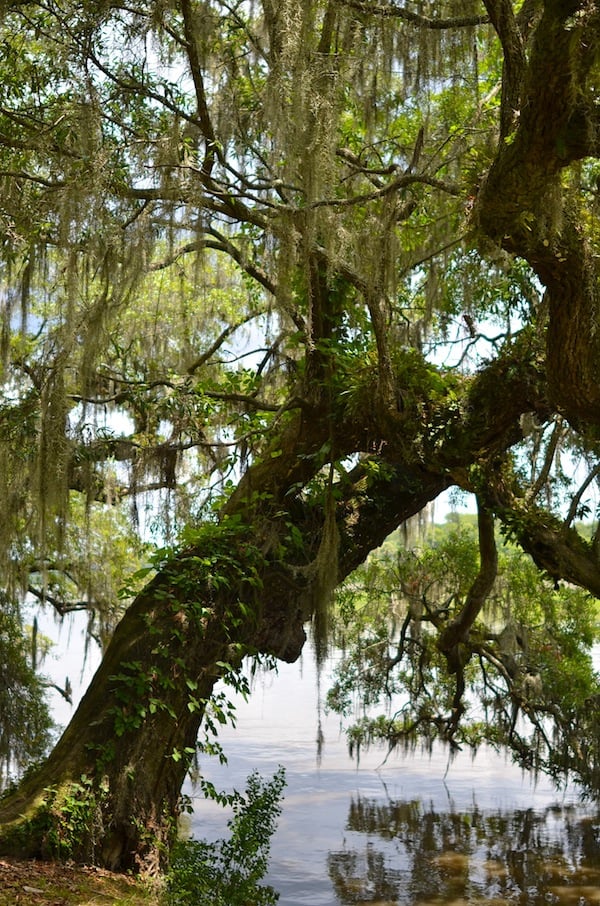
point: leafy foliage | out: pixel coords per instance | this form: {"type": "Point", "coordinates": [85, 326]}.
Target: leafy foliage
{"type": "Point", "coordinates": [528, 682]}
{"type": "Point", "coordinates": [25, 722]}
{"type": "Point", "coordinates": [228, 872]}
{"type": "Point", "coordinates": [72, 821]}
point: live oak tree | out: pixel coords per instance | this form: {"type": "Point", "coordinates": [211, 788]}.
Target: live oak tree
{"type": "Point", "coordinates": [287, 271]}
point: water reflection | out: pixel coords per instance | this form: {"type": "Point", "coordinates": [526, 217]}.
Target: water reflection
{"type": "Point", "coordinates": [413, 854]}
{"type": "Point", "coordinates": [416, 830]}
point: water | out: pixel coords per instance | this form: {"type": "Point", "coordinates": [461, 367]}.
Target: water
{"type": "Point", "coordinates": [416, 830]}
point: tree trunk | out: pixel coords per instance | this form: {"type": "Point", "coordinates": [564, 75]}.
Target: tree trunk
{"type": "Point", "coordinates": [525, 203]}
{"type": "Point", "coordinates": [109, 792]}
{"type": "Point", "coordinates": [136, 727]}
{"type": "Point", "coordinates": [125, 754]}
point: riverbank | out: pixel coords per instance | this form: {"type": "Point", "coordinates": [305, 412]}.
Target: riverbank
{"type": "Point", "coordinates": [31, 883]}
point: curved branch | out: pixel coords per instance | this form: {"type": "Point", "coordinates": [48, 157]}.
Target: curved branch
{"type": "Point", "coordinates": [503, 19]}
{"type": "Point", "coordinates": [557, 435]}
{"type": "Point", "coordinates": [457, 632]}
{"type": "Point", "coordinates": [555, 547]}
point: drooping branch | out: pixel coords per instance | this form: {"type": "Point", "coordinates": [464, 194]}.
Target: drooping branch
{"type": "Point", "coordinates": [555, 546]}
{"type": "Point", "coordinates": [457, 631]}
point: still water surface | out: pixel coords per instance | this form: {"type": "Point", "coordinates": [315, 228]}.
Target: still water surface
{"type": "Point", "coordinates": [415, 830]}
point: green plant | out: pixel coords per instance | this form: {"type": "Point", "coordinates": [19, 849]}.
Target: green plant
{"type": "Point", "coordinates": [25, 721]}
{"type": "Point", "coordinates": [68, 822]}
{"type": "Point", "coordinates": [228, 872]}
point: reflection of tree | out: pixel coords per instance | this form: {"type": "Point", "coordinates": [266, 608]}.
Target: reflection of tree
{"type": "Point", "coordinates": [364, 877]}
{"type": "Point", "coordinates": [415, 855]}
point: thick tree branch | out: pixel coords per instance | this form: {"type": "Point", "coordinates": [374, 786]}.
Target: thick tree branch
{"type": "Point", "coordinates": [524, 206]}
{"type": "Point", "coordinates": [554, 546]}
{"type": "Point", "coordinates": [503, 19]}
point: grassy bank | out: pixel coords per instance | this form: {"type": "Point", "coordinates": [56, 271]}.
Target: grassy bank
{"type": "Point", "coordinates": [55, 884]}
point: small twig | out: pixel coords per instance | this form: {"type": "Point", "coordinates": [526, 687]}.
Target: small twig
{"type": "Point", "coordinates": [577, 497]}
{"type": "Point", "coordinates": [557, 434]}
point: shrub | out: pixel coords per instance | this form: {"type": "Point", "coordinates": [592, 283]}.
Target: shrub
{"type": "Point", "coordinates": [227, 872]}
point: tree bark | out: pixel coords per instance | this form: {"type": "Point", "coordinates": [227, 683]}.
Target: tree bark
{"type": "Point", "coordinates": [135, 730]}
{"type": "Point", "coordinates": [246, 585]}
{"type": "Point", "coordinates": [457, 631]}
{"type": "Point", "coordinates": [525, 205]}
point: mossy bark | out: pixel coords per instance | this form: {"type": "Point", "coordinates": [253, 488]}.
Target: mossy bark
{"type": "Point", "coordinates": [527, 204]}
{"type": "Point", "coordinates": [130, 742]}
{"type": "Point", "coordinates": [244, 585]}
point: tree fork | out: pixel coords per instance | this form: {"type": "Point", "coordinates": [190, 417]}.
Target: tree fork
{"type": "Point", "coordinates": [135, 731]}
{"type": "Point", "coordinates": [241, 587]}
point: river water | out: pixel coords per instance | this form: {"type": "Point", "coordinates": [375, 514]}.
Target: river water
{"type": "Point", "coordinates": [416, 829]}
